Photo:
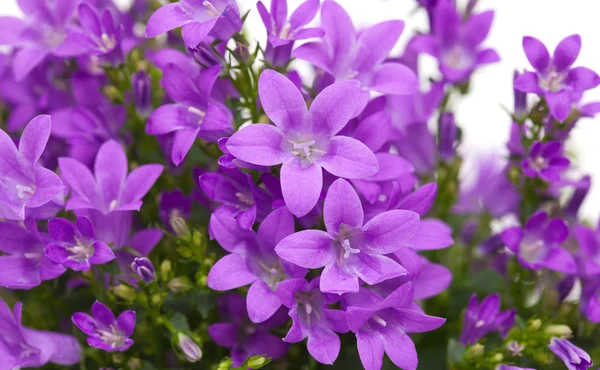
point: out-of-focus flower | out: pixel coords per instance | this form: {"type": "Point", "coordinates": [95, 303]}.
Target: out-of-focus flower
{"type": "Point", "coordinates": [190, 349]}
{"type": "Point", "coordinates": [483, 318]}
{"type": "Point", "coordinates": [103, 33]}
{"type": "Point", "coordinates": [546, 161]}
{"type": "Point", "coordinates": [574, 357]}
{"type": "Point", "coordinates": [448, 135]}
{"type": "Point", "coordinates": [141, 85]}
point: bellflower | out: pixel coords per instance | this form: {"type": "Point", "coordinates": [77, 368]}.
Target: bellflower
{"type": "Point", "coordinates": [76, 246]}
{"type": "Point", "coordinates": [47, 31]}
{"type": "Point", "coordinates": [545, 160]}
{"type": "Point", "coordinates": [312, 319]}
{"type": "Point", "coordinates": [24, 183]}
{"type": "Point", "coordinates": [174, 204]}
{"type": "Point", "coordinates": [283, 32]}
{"type": "Point", "coordinates": [346, 54]}
{"type": "Point", "coordinates": [22, 347]}
{"type": "Point", "coordinates": [243, 337]}
{"type": "Point", "coordinates": [554, 79]}
{"type": "Point", "coordinates": [25, 265]}
{"type": "Point", "coordinates": [304, 140]}
{"type": "Point", "coordinates": [111, 189]}
{"type": "Point", "coordinates": [483, 318]}
{"type": "Point", "coordinates": [574, 357]}
{"type": "Point", "coordinates": [253, 261]}
{"type": "Point", "coordinates": [194, 112]}
{"type": "Point", "coordinates": [104, 331]}
{"type": "Point", "coordinates": [199, 18]}
{"type": "Point", "coordinates": [588, 241]}
{"type": "Point", "coordinates": [144, 269]}
{"type": "Point", "coordinates": [351, 249]}
{"type": "Point", "coordinates": [537, 244]}
{"type": "Point", "coordinates": [382, 325]}
{"type": "Point", "coordinates": [103, 34]}
{"type": "Point", "coordinates": [457, 43]}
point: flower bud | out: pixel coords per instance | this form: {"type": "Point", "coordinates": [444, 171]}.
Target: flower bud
{"type": "Point", "coordinates": [190, 349]}
{"type": "Point", "coordinates": [179, 226]}
{"type": "Point", "coordinates": [204, 54]}
{"type": "Point", "coordinates": [141, 85]}
{"type": "Point", "coordinates": [179, 285]}
{"type": "Point", "coordinates": [165, 268]}
{"type": "Point", "coordinates": [144, 269]}
{"type": "Point", "coordinates": [559, 331]}
{"type": "Point", "coordinates": [447, 137]}
{"type": "Point", "coordinates": [520, 101]}
{"type": "Point", "coordinates": [476, 350]}
{"type": "Point", "coordinates": [535, 324]}
{"type": "Point", "coordinates": [242, 54]}
{"type": "Point", "coordinates": [124, 291]}
{"type": "Point", "coordinates": [256, 362]}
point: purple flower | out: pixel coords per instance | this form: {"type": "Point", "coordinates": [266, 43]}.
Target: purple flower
{"type": "Point", "coordinates": [304, 140]}
{"type": "Point", "coordinates": [312, 319]}
{"type": "Point", "coordinates": [457, 44]}
{"type": "Point", "coordinates": [546, 161]}
{"type": "Point", "coordinates": [46, 32]}
{"type": "Point", "coordinates": [588, 241]}
{"type": "Point", "coordinates": [554, 79]}
{"type": "Point", "coordinates": [574, 357]}
{"type": "Point", "coordinates": [24, 183]}
{"type": "Point", "coordinates": [582, 187]}
{"type": "Point", "coordinates": [194, 112]}
{"type": "Point", "coordinates": [25, 265]}
{"type": "Point", "coordinates": [253, 260]}
{"type": "Point", "coordinates": [349, 249]}
{"type": "Point", "coordinates": [537, 244]}
{"type": "Point", "coordinates": [144, 269]}
{"type": "Point", "coordinates": [199, 18]}
{"type": "Point", "coordinates": [382, 325]}
{"type": "Point", "coordinates": [111, 189]}
{"type": "Point", "coordinates": [483, 318]}
{"type": "Point", "coordinates": [238, 195]}
{"type": "Point", "coordinates": [76, 246]}
{"type": "Point", "coordinates": [283, 32]}
{"type": "Point", "coordinates": [243, 337]}
{"type": "Point", "coordinates": [102, 33]}
{"type": "Point", "coordinates": [141, 85]}
{"type": "Point", "coordinates": [22, 347]}
{"type": "Point", "coordinates": [174, 204]}
{"type": "Point", "coordinates": [104, 331]}
{"type": "Point", "coordinates": [346, 54]}
{"type": "Point", "coordinates": [448, 132]}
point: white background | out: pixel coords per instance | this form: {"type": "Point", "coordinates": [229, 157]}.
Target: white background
{"type": "Point", "coordinates": [485, 123]}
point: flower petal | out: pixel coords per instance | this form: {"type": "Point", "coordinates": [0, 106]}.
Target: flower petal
{"type": "Point", "coordinates": [261, 302]}
{"type": "Point", "coordinates": [370, 349]}
{"type": "Point", "coordinates": [166, 18]}
{"type": "Point", "coordinates": [334, 107]}
{"type": "Point", "coordinates": [342, 206]}
{"type": "Point", "coordinates": [34, 138]}
{"type": "Point", "coordinates": [566, 52]}
{"type": "Point", "coordinates": [391, 230]}
{"type": "Point", "coordinates": [139, 182]}
{"type": "Point", "coordinates": [301, 187]}
{"type": "Point", "coordinates": [307, 248]}
{"type": "Point", "coordinates": [103, 314]}
{"type": "Point", "coordinates": [126, 322]}
{"type": "Point", "coordinates": [323, 345]}
{"type": "Point", "coordinates": [394, 78]}
{"type": "Point", "coordinates": [282, 101]}
{"type": "Point", "coordinates": [336, 280]}
{"type": "Point", "coordinates": [230, 272]}
{"type": "Point", "coordinates": [258, 144]}
{"type": "Point", "coordinates": [349, 158]}
{"type": "Point", "coordinates": [536, 53]}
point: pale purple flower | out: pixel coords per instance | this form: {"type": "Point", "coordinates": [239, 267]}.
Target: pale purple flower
{"type": "Point", "coordinates": [582, 187]}
{"type": "Point", "coordinates": [47, 31]}
{"type": "Point", "coordinates": [102, 33]}
{"type": "Point", "coordinates": [304, 140]}
{"type": "Point", "coordinates": [554, 79]}
{"type": "Point", "coordinates": [312, 319]}
{"type": "Point", "coordinates": [351, 249]}
{"type": "Point", "coordinates": [483, 318]}
{"type": "Point", "coordinates": [383, 324]}
{"type": "Point", "coordinates": [194, 113]}
{"type": "Point", "coordinates": [457, 43]}
{"type": "Point", "coordinates": [111, 189]}
{"type": "Point", "coordinates": [253, 260]}
{"type": "Point", "coordinates": [22, 347]}
{"type": "Point", "coordinates": [104, 331]}
{"type": "Point", "coordinates": [76, 246]}
{"type": "Point", "coordinates": [24, 183]}
{"type": "Point", "coordinates": [244, 337]}
{"type": "Point", "coordinates": [144, 269]}
{"type": "Point", "coordinates": [537, 245]}
{"type": "Point", "coordinates": [447, 136]}
{"type": "Point", "coordinates": [346, 54]}
{"type": "Point", "coordinates": [588, 241]}
{"type": "Point", "coordinates": [574, 357]}
{"type": "Point", "coordinates": [282, 32]}
{"type": "Point", "coordinates": [199, 18]}
{"type": "Point", "coordinates": [546, 161]}
{"type": "Point", "coordinates": [25, 265]}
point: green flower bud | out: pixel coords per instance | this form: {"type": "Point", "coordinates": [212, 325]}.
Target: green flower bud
{"type": "Point", "coordinates": [256, 362]}
{"type": "Point", "coordinates": [180, 285]}
{"type": "Point", "coordinates": [124, 291]}
{"type": "Point", "coordinates": [180, 227]}
{"type": "Point", "coordinates": [559, 331]}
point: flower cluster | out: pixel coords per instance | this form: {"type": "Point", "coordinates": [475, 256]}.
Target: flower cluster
{"type": "Point", "coordinates": [157, 163]}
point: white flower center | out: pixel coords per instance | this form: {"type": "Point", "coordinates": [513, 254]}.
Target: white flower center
{"type": "Point", "coordinates": [113, 337]}
{"type": "Point", "coordinates": [285, 31]}
{"type": "Point", "coordinates": [553, 81]}
{"type": "Point", "coordinates": [533, 251]}
{"type": "Point", "coordinates": [244, 199]}
{"type": "Point", "coordinates": [347, 248]}
{"type": "Point", "coordinates": [197, 112]}
{"type": "Point", "coordinates": [81, 251]}
{"type": "Point", "coordinates": [211, 8]}
{"type": "Point", "coordinates": [458, 58]}
{"type": "Point", "coordinates": [25, 191]}
{"type": "Point", "coordinates": [107, 42]}
{"type": "Point", "coordinates": [379, 320]}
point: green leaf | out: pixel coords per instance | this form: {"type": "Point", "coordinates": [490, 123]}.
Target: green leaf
{"type": "Point", "coordinates": [179, 322]}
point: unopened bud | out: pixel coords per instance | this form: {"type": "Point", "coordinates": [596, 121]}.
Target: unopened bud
{"type": "Point", "coordinates": [475, 350]}
{"type": "Point", "coordinates": [141, 85]}
{"type": "Point", "coordinates": [179, 285]}
{"type": "Point", "coordinates": [124, 291]}
{"type": "Point", "coordinates": [535, 324]}
{"type": "Point", "coordinates": [165, 268]}
{"type": "Point", "coordinates": [144, 268]}
{"type": "Point", "coordinates": [559, 331]}
{"type": "Point", "coordinates": [179, 226]}
{"type": "Point", "coordinates": [190, 349]}
{"type": "Point", "coordinates": [134, 363]}
{"type": "Point", "coordinates": [242, 54]}
{"type": "Point", "coordinates": [448, 133]}
{"type": "Point", "coordinates": [256, 362]}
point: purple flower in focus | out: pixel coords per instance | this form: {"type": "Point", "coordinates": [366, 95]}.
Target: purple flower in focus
{"type": "Point", "coordinates": [346, 54]}
{"type": "Point", "coordinates": [382, 325]}
{"type": "Point", "coordinates": [104, 331]}
{"type": "Point", "coordinates": [243, 337]}
{"type": "Point", "coordinates": [103, 34]}
{"type": "Point", "coordinates": [253, 260]}
{"type": "Point", "coordinates": [537, 244]}
{"type": "Point", "coordinates": [574, 357]}
{"type": "Point", "coordinates": [111, 189]}
{"type": "Point", "coordinates": [554, 79]}
{"type": "Point", "coordinates": [350, 249]}
{"type": "Point", "coordinates": [304, 140]}
{"type": "Point", "coordinates": [76, 246]}
{"type": "Point", "coordinates": [25, 265]}
{"type": "Point", "coordinates": [24, 183]}
{"type": "Point", "coordinates": [483, 318]}
{"type": "Point", "coordinates": [312, 319]}
{"type": "Point", "coordinates": [194, 112]}
{"type": "Point", "coordinates": [546, 161]}
{"type": "Point", "coordinates": [457, 43]}
{"type": "Point", "coordinates": [283, 32]}
{"type": "Point", "coordinates": [144, 269]}
{"type": "Point", "coordinates": [199, 18]}
{"type": "Point", "coordinates": [21, 347]}
{"type": "Point", "coordinates": [47, 31]}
